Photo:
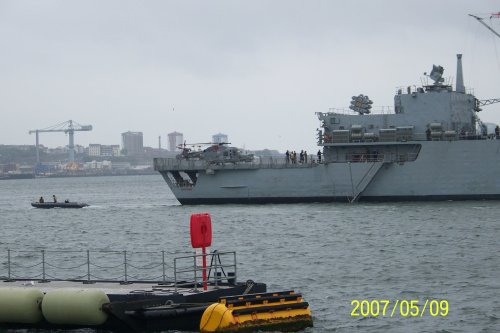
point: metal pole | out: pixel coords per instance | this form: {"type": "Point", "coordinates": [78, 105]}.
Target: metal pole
{"type": "Point", "coordinates": [216, 275]}
{"type": "Point", "coordinates": [175, 274]}
{"type": "Point", "coordinates": [195, 277]}
{"type": "Point", "coordinates": [163, 264]}
{"type": "Point", "coordinates": [88, 266]}
{"type": "Point", "coordinates": [235, 275]}
{"type": "Point", "coordinates": [8, 264]}
{"type": "Point", "coordinates": [125, 264]}
{"type": "Point", "coordinates": [43, 265]}
{"type": "Point", "coordinates": [204, 272]}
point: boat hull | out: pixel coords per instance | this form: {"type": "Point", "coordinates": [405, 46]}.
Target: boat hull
{"type": "Point", "coordinates": [47, 205]}
{"type": "Point", "coordinates": [443, 170]}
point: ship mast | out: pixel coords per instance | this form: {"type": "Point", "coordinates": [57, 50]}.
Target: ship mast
{"type": "Point", "coordinates": [484, 102]}
{"type": "Point", "coordinates": [480, 20]}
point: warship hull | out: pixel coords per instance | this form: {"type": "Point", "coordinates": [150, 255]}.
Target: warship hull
{"type": "Point", "coordinates": [433, 147]}
{"type": "Point", "coordinates": [442, 170]}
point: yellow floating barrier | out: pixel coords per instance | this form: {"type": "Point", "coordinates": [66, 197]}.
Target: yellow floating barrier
{"type": "Point", "coordinates": [75, 306]}
{"type": "Point", "coordinates": [281, 311]}
{"type": "Point", "coordinates": [20, 305]}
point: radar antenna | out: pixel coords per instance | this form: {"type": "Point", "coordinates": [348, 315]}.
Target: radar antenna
{"type": "Point", "coordinates": [361, 104]}
{"type": "Point", "coordinates": [437, 74]}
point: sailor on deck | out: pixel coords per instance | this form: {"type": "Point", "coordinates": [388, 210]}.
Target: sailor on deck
{"type": "Point", "coordinates": [54, 197]}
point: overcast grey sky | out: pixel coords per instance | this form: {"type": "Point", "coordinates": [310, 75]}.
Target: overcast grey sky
{"type": "Point", "coordinates": [255, 70]}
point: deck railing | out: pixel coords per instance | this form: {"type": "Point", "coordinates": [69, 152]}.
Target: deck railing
{"type": "Point", "coordinates": [112, 266]}
{"type": "Point", "coordinates": [271, 162]}
{"type": "Point", "coordinates": [188, 270]}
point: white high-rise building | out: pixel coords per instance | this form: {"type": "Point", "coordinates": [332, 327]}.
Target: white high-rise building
{"type": "Point", "coordinates": [103, 150]}
{"type": "Point", "coordinates": [175, 139]}
{"type": "Point", "coordinates": [94, 149]}
{"type": "Point", "coordinates": [219, 138]}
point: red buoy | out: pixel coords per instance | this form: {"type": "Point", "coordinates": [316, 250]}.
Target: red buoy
{"type": "Point", "coordinates": [201, 230]}
{"type": "Point", "coordinates": [201, 236]}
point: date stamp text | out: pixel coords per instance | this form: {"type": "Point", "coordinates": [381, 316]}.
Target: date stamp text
{"type": "Point", "coordinates": [399, 307]}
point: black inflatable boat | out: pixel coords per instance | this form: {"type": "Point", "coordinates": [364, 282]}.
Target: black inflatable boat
{"type": "Point", "coordinates": [59, 204]}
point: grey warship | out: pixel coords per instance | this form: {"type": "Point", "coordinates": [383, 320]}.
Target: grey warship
{"type": "Point", "coordinates": [432, 146]}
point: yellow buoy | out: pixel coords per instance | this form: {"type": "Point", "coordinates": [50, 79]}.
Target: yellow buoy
{"type": "Point", "coordinates": [75, 306]}
{"type": "Point", "coordinates": [282, 311]}
{"type": "Point", "coordinates": [20, 305]}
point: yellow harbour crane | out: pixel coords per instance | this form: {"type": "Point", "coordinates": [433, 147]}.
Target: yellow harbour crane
{"type": "Point", "coordinates": [68, 127]}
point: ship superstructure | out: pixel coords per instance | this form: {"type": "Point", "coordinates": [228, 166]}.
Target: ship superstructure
{"type": "Point", "coordinates": [432, 146]}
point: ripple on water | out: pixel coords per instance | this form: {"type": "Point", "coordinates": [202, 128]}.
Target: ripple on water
{"type": "Point", "coordinates": [332, 253]}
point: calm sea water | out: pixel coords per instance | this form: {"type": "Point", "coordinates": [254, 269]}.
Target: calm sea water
{"type": "Point", "coordinates": [332, 253]}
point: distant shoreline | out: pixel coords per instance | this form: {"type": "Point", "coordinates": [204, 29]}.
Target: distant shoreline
{"type": "Point", "coordinates": [68, 175]}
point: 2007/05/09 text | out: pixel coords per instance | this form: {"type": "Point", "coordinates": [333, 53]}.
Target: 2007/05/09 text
{"type": "Point", "coordinates": [403, 308]}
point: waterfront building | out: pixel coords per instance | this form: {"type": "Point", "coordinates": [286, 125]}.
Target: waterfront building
{"type": "Point", "coordinates": [219, 138]}
{"type": "Point", "coordinates": [104, 150]}
{"type": "Point", "coordinates": [175, 139]}
{"type": "Point", "coordinates": [132, 143]}
{"type": "Point", "coordinates": [110, 150]}
{"type": "Point", "coordinates": [94, 149]}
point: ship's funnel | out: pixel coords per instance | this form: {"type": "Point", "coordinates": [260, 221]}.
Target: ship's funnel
{"type": "Point", "coordinates": [460, 76]}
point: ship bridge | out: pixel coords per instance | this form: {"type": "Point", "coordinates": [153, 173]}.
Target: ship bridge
{"type": "Point", "coordinates": [432, 112]}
